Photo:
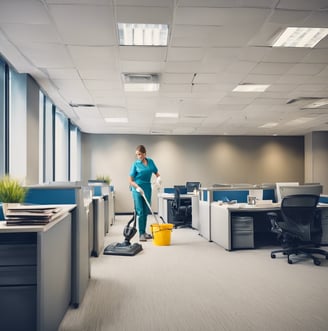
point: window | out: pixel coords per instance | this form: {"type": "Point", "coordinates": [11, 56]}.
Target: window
{"type": "Point", "coordinates": [75, 153]}
{"type": "Point", "coordinates": [2, 119]}
{"type": "Point", "coordinates": [17, 125]}
{"type": "Point", "coordinates": [48, 141]}
{"type": "Point", "coordinates": [61, 147]}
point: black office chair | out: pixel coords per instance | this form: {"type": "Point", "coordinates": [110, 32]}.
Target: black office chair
{"type": "Point", "coordinates": [181, 214]}
{"type": "Point", "coordinates": [300, 232]}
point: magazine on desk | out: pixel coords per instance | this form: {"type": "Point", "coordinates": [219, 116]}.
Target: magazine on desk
{"type": "Point", "coordinates": [17, 214]}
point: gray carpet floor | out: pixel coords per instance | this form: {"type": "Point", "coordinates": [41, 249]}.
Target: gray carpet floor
{"type": "Point", "coordinates": [195, 285]}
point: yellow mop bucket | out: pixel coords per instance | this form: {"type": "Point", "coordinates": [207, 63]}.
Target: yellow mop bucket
{"type": "Point", "coordinates": [161, 233]}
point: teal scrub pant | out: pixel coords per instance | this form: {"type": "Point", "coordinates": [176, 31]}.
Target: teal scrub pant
{"type": "Point", "coordinates": [141, 208]}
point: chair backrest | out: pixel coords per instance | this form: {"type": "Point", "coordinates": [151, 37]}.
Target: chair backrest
{"type": "Point", "coordinates": [177, 200]}
{"type": "Point", "coordinates": [299, 212]}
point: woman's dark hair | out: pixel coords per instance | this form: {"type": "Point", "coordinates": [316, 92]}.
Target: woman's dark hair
{"type": "Point", "coordinates": [141, 149]}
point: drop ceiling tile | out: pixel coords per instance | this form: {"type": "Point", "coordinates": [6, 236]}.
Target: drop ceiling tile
{"type": "Point", "coordinates": [287, 55]}
{"type": "Point", "coordinates": [71, 24]}
{"type": "Point", "coordinates": [47, 55]}
{"type": "Point", "coordinates": [177, 78]}
{"type": "Point", "coordinates": [143, 14]}
{"type": "Point", "coordinates": [182, 67]}
{"type": "Point", "coordinates": [108, 74]}
{"type": "Point", "coordinates": [176, 54]}
{"type": "Point", "coordinates": [23, 12]}
{"type": "Point", "coordinates": [40, 33]}
{"type": "Point", "coordinates": [302, 4]}
{"type": "Point", "coordinates": [63, 74]}
{"type": "Point", "coordinates": [221, 16]}
{"type": "Point", "coordinates": [142, 66]}
{"type": "Point", "coordinates": [267, 68]}
{"type": "Point", "coordinates": [289, 18]}
{"type": "Point", "coordinates": [140, 53]}
{"type": "Point", "coordinates": [158, 3]}
{"type": "Point", "coordinates": [306, 69]}
{"type": "Point", "coordinates": [96, 84]}
{"type": "Point", "coordinates": [93, 58]}
{"type": "Point", "coordinates": [316, 56]}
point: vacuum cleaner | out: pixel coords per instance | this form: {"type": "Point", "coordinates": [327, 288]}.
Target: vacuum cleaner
{"type": "Point", "coordinates": [125, 248]}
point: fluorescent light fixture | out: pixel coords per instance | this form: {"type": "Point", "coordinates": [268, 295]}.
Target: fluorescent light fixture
{"type": "Point", "coordinates": [299, 121]}
{"type": "Point", "coordinates": [133, 34]}
{"type": "Point", "coordinates": [140, 87]}
{"type": "Point", "coordinates": [269, 125]}
{"type": "Point", "coordinates": [116, 119]}
{"type": "Point", "coordinates": [318, 103]}
{"type": "Point", "coordinates": [167, 115]}
{"type": "Point", "coordinates": [250, 88]}
{"type": "Point", "coordinates": [300, 37]}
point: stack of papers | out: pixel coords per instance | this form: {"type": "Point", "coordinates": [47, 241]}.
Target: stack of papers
{"type": "Point", "coordinates": [31, 215]}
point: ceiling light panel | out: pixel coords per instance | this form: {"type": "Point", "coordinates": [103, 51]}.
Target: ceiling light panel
{"type": "Point", "coordinates": [250, 88]}
{"type": "Point", "coordinates": [167, 115]}
{"type": "Point", "coordinates": [133, 34]}
{"type": "Point", "coordinates": [116, 119]}
{"type": "Point", "coordinates": [300, 37]}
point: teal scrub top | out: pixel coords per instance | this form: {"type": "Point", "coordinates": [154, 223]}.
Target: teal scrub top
{"type": "Point", "coordinates": [142, 173]}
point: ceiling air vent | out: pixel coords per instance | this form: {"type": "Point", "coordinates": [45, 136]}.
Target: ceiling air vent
{"type": "Point", "coordinates": [138, 82]}
{"type": "Point", "coordinates": [76, 105]}
{"type": "Point", "coordinates": [131, 78]}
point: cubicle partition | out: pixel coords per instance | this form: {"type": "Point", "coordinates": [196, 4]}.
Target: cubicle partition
{"type": "Point", "coordinates": [164, 204]}
{"type": "Point", "coordinates": [35, 274]}
{"type": "Point", "coordinates": [80, 196]}
{"type": "Point", "coordinates": [232, 193]}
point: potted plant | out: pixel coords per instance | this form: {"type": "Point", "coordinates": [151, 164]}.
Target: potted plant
{"type": "Point", "coordinates": [103, 178]}
{"type": "Point", "coordinates": [11, 191]}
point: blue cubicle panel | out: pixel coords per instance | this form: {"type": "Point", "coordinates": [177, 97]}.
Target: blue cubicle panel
{"type": "Point", "coordinates": [323, 199]}
{"type": "Point", "coordinates": [269, 194]}
{"type": "Point", "coordinates": [2, 216]}
{"type": "Point", "coordinates": [68, 194]}
{"type": "Point", "coordinates": [238, 195]}
{"type": "Point", "coordinates": [51, 196]}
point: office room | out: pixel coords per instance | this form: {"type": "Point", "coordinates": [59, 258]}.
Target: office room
{"type": "Point", "coordinates": [216, 98]}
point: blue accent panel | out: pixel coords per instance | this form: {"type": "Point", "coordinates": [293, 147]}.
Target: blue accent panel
{"type": "Point", "coordinates": [111, 188]}
{"type": "Point", "coordinates": [2, 217]}
{"type": "Point", "coordinates": [97, 191]}
{"type": "Point", "coordinates": [240, 196]}
{"type": "Point", "coordinates": [323, 199]}
{"type": "Point", "coordinates": [269, 194]}
{"type": "Point", "coordinates": [45, 196]}
{"type": "Point", "coordinates": [168, 190]}
{"type": "Point", "coordinates": [205, 195]}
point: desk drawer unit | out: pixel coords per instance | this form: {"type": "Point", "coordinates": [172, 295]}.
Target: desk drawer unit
{"type": "Point", "coordinates": [18, 281]}
{"type": "Point", "coordinates": [242, 232]}
{"type": "Point", "coordinates": [324, 225]}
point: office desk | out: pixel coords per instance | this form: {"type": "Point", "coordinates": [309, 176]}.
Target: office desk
{"type": "Point", "coordinates": [221, 224]}
{"type": "Point", "coordinates": [234, 192]}
{"type": "Point", "coordinates": [35, 274]}
{"type": "Point", "coordinates": [163, 206]}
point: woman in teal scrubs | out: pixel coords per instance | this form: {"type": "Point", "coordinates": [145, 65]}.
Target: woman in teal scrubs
{"type": "Point", "coordinates": [140, 176]}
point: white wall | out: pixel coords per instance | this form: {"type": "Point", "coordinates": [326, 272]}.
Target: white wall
{"type": "Point", "coordinates": [208, 159]}
{"type": "Point", "coordinates": [316, 160]}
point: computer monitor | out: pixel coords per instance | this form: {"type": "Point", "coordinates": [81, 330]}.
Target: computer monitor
{"type": "Point", "coordinates": [191, 186]}
{"type": "Point", "coordinates": [278, 189]}
{"type": "Point", "coordinates": [315, 189]}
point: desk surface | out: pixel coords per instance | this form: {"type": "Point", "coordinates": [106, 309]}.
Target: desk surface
{"type": "Point", "coordinates": [171, 195]}
{"type": "Point", "coordinates": [65, 209]}
{"type": "Point", "coordinates": [260, 207]}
